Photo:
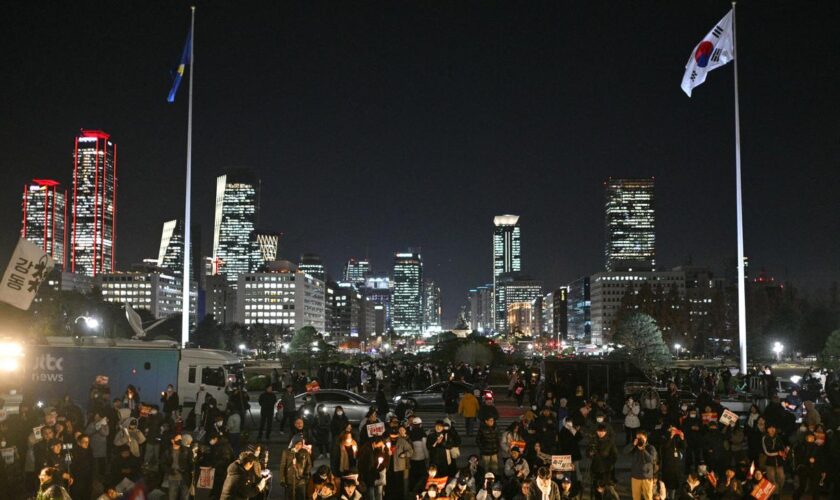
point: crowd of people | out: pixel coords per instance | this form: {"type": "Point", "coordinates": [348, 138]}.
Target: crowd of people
{"type": "Point", "coordinates": [123, 445]}
{"type": "Point", "coordinates": [563, 443]}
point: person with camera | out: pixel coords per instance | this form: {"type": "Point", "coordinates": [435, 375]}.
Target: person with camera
{"type": "Point", "coordinates": [643, 467]}
{"type": "Point", "coordinates": [239, 483]}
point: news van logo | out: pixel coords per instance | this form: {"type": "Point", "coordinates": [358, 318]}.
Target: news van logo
{"type": "Point", "coordinates": [48, 368]}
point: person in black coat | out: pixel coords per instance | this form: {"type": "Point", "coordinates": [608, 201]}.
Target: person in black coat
{"type": "Point", "coordinates": [169, 400]}
{"type": "Point", "coordinates": [671, 454]}
{"type": "Point", "coordinates": [381, 401]}
{"type": "Point", "coordinates": [239, 483]}
{"type": "Point", "coordinates": [437, 443]}
{"type": "Point", "coordinates": [338, 423]}
{"type": "Point", "coordinates": [124, 465]}
{"type": "Point", "coordinates": [81, 468]}
{"type": "Point", "coordinates": [268, 401]}
{"type": "Point", "coordinates": [714, 449]}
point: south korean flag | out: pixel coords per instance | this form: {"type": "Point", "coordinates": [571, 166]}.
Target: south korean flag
{"type": "Point", "coordinates": [715, 50]}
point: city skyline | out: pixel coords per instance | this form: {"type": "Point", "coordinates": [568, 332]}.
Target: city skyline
{"type": "Point", "coordinates": [510, 99]}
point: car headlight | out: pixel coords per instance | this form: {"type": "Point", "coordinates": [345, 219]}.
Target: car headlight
{"type": "Point", "coordinates": [397, 398]}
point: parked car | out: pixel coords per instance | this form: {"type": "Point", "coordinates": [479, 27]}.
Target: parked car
{"type": "Point", "coordinates": [431, 398]}
{"type": "Point", "coordinates": [355, 406]}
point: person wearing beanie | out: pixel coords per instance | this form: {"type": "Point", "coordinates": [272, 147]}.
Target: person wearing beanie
{"type": "Point", "coordinates": [295, 467]}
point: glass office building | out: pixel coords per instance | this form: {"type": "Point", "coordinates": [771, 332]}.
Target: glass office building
{"type": "Point", "coordinates": [94, 214]}
{"type": "Point", "coordinates": [407, 316]}
{"type": "Point", "coordinates": [235, 249]}
{"type": "Point", "coordinates": [630, 225]}
{"type": "Point", "coordinates": [507, 258]}
{"type": "Point", "coordinates": [44, 215]}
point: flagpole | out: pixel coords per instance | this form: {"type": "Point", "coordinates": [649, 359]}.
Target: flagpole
{"type": "Point", "coordinates": [742, 300]}
{"type": "Point", "coordinates": [185, 293]}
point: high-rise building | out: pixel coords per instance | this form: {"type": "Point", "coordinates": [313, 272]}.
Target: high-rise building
{"type": "Point", "coordinates": [513, 288]}
{"type": "Point", "coordinates": [152, 289]}
{"type": "Point", "coordinates": [431, 307]}
{"type": "Point", "coordinates": [44, 217]}
{"type": "Point", "coordinates": [554, 315]}
{"type": "Point", "coordinates": [356, 271]}
{"type": "Point", "coordinates": [311, 264]}
{"type": "Point", "coordinates": [235, 249]}
{"type": "Point", "coordinates": [607, 292]}
{"type": "Point", "coordinates": [481, 308]}
{"type": "Point", "coordinates": [380, 291]}
{"type": "Point", "coordinates": [371, 319]}
{"type": "Point", "coordinates": [630, 225]}
{"type": "Point", "coordinates": [268, 243]}
{"type": "Point", "coordinates": [520, 319]}
{"type": "Point", "coordinates": [281, 295]}
{"type": "Point", "coordinates": [408, 293]}
{"type": "Point", "coordinates": [171, 252]}
{"type": "Point", "coordinates": [579, 311]}
{"type": "Point", "coordinates": [507, 258]}
{"type": "Point", "coordinates": [94, 215]}
{"type": "Point", "coordinates": [346, 309]}
{"type": "Point", "coordinates": [219, 299]}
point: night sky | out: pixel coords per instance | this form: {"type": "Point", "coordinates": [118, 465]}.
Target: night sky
{"type": "Point", "coordinates": [376, 126]}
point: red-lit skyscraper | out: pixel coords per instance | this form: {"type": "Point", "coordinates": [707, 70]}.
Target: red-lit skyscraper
{"type": "Point", "coordinates": [44, 216]}
{"type": "Point", "coordinates": [94, 213]}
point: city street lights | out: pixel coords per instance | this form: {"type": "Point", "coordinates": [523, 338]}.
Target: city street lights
{"type": "Point", "coordinates": [677, 349]}
{"type": "Point", "coordinates": [241, 349]}
{"type": "Point", "coordinates": [90, 322]}
{"type": "Point", "coordinates": [778, 348]}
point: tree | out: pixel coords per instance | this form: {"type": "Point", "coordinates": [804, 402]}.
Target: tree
{"type": "Point", "coordinates": [207, 333]}
{"type": "Point", "coordinates": [641, 341]}
{"type": "Point", "coordinates": [830, 357]}
{"type": "Point", "coordinates": [307, 346]}
{"type": "Point", "coordinates": [473, 352]}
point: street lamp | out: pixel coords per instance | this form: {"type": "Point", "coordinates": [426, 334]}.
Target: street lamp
{"type": "Point", "coordinates": [241, 349]}
{"type": "Point", "coordinates": [778, 348]}
{"type": "Point", "coordinates": [90, 322]}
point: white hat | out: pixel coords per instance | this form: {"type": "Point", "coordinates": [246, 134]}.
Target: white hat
{"type": "Point", "coordinates": [416, 421]}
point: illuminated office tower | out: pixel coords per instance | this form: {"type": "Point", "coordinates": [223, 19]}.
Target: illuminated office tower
{"type": "Point", "coordinates": [481, 309]}
{"type": "Point", "coordinates": [630, 225]}
{"type": "Point", "coordinates": [507, 258]}
{"type": "Point", "coordinates": [431, 308]}
{"type": "Point", "coordinates": [44, 216]}
{"type": "Point", "coordinates": [171, 252]}
{"type": "Point", "coordinates": [235, 249]}
{"type": "Point", "coordinates": [380, 292]}
{"type": "Point", "coordinates": [513, 288]}
{"type": "Point", "coordinates": [94, 215]}
{"type": "Point", "coordinates": [356, 271]}
{"type": "Point", "coordinates": [407, 316]}
{"type": "Point", "coordinates": [312, 265]}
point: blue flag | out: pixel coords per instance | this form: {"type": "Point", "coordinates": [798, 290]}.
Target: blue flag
{"type": "Point", "coordinates": [179, 71]}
